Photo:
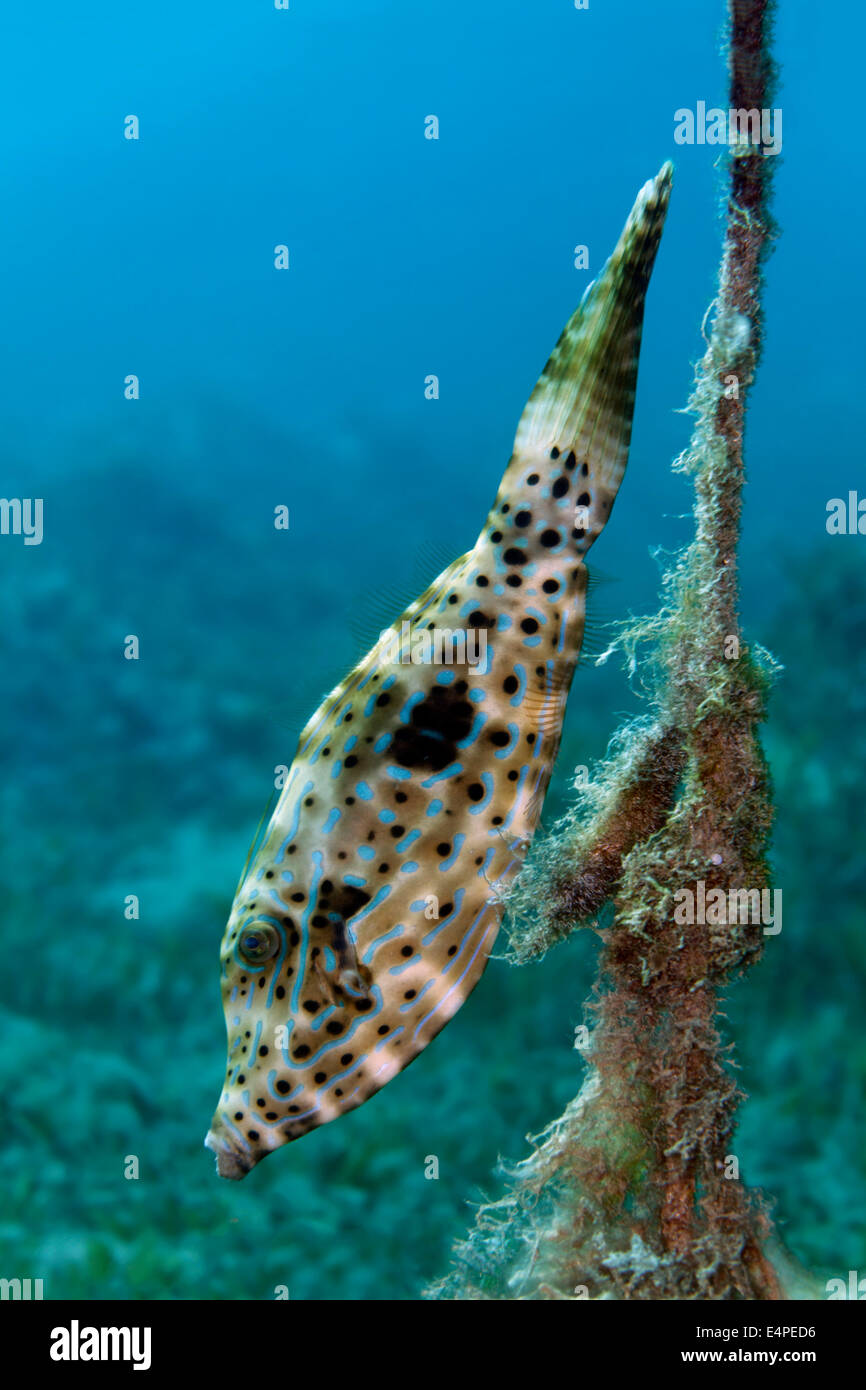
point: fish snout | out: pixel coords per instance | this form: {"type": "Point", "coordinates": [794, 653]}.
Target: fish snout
{"type": "Point", "coordinates": [232, 1160]}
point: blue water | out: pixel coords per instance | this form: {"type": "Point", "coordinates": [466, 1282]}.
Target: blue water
{"type": "Point", "coordinates": [305, 387]}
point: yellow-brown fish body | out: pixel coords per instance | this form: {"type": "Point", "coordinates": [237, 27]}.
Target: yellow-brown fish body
{"type": "Point", "coordinates": [371, 906]}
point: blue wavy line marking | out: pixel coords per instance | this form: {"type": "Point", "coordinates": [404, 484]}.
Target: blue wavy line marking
{"type": "Point", "coordinates": [413, 700]}
{"type": "Point", "coordinates": [410, 1003]}
{"type": "Point", "coordinates": [479, 806]}
{"type": "Point", "coordinates": [407, 841]}
{"type": "Point", "coordinates": [383, 893]}
{"type": "Point", "coordinates": [566, 618]}
{"type": "Point", "coordinates": [453, 770]}
{"type": "Point", "coordinates": [380, 941]}
{"type": "Point", "coordinates": [313, 732]}
{"type": "Point", "coordinates": [331, 1043]}
{"type": "Point", "coordinates": [341, 1075]}
{"type": "Point", "coordinates": [401, 773]}
{"type": "Point", "coordinates": [477, 725]}
{"type": "Point", "coordinates": [440, 926]}
{"type": "Point", "coordinates": [290, 1095]}
{"type": "Point", "coordinates": [460, 978]}
{"type": "Point", "coordinates": [293, 1119]}
{"type": "Point", "coordinates": [228, 1125]}
{"type": "Point", "coordinates": [517, 698]}
{"type": "Point", "coordinates": [524, 773]}
{"type": "Point", "coordinates": [385, 1041]}
{"type": "Point", "coordinates": [323, 1017]}
{"type": "Point", "coordinates": [507, 751]}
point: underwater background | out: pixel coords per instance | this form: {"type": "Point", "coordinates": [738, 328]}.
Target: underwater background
{"type": "Point", "coordinates": [305, 388]}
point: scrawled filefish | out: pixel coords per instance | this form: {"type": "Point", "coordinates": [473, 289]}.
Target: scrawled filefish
{"type": "Point", "coordinates": [371, 906]}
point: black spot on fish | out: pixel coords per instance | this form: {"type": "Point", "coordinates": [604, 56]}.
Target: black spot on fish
{"type": "Point", "coordinates": [479, 619]}
{"type": "Point", "coordinates": [437, 725]}
{"type": "Point", "coordinates": [560, 487]}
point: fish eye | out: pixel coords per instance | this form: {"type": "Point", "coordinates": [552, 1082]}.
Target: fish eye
{"type": "Point", "coordinates": [259, 943]}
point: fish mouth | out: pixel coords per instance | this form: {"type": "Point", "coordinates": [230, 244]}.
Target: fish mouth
{"type": "Point", "coordinates": [231, 1161]}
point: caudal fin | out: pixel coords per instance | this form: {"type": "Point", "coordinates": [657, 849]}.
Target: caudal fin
{"type": "Point", "coordinates": [583, 401]}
